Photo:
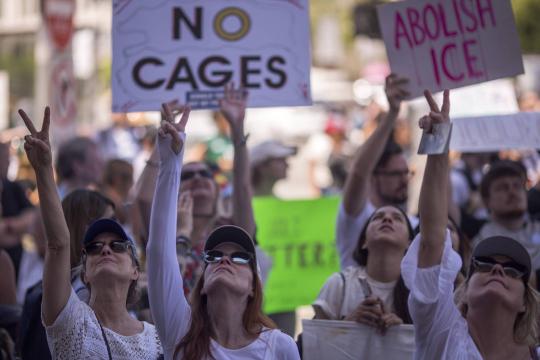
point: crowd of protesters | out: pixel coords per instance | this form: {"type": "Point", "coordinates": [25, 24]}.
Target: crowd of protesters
{"type": "Point", "coordinates": [157, 258]}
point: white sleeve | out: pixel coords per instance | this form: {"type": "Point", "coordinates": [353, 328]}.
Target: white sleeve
{"type": "Point", "coordinates": [285, 347]}
{"type": "Point", "coordinates": [348, 230]}
{"type": "Point", "coordinates": [431, 298]}
{"type": "Point", "coordinates": [66, 334]}
{"type": "Point", "coordinates": [170, 309]}
{"type": "Point", "coordinates": [330, 297]}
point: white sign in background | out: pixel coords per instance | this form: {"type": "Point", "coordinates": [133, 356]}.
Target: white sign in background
{"type": "Point", "coordinates": [445, 44]}
{"type": "Point", "coordinates": [346, 340]}
{"type": "Point", "coordinates": [496, 132]}
{"type": "Point", "coordinates": [189, 49]}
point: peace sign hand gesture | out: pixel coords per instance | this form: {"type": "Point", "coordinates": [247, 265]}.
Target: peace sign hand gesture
{"type": "Point", "coordinates": [435, 116]}
{"type": "Point", "coordinates": [168, 126]}
{"type": "Point", "coordinates": [37, 146]}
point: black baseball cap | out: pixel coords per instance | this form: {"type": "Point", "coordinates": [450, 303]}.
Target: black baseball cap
{"type": "Point", "coordinates": [232, 234]}
{"type": "Point", "coordinates": [505, 246]}
{"type": "Point", "coordinates": [105, 225]}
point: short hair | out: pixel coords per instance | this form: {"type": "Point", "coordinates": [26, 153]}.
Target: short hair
{"type": "Point", "coordinates": [501, 169]}
{"type": "Point", "coordinates": [114, 167]}
{"type": "Point", "coordinates": [70, 152]}
{"type": "Point", "coordinates": [391, 148]}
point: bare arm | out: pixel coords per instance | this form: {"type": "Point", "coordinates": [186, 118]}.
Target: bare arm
{"type": "Point", "coordinates": [433, 206]}
{"type": "Point", "coordinates": [56, 273]}
{"type": "Point", "coordinates": [355, 193]}
{"type": "Point", "coordinates": [233, 107]}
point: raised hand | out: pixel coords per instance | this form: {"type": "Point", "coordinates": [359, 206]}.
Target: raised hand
{"type": "Point", "coordinates": [170, 127]}
{"type": "Point", "coordinates": [233, 106]}
{"type": "Point", "coordinates": [37, 145]}
{"type": "Point", "coordinates": [394, 87]}
{"type": "Point", "coordinates": [185, 214]}
{"type": "Point", "coordinates": [435, 116]}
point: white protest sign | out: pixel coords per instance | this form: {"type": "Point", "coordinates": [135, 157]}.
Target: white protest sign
{"type": "Point", "coordinates": [345, 340]}
{"type": "Point", "coordinates": [189, 50]}
{"type": "Point", "coordinates": [446, 44]}
{"type": "Point", "coordinates": [497, 132]}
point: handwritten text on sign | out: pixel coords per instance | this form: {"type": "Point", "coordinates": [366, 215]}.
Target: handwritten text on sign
{"type": "Point", "coordinates": [189, 50]}
{"type": "Point", "coordinates": [450, 43]}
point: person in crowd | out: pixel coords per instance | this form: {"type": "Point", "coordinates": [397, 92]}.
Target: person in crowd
{"type": "Point", "coordinates": [497, 311]}
{"type": "Point", "coordinates": [504, 193]}
{"type": "Point", "coordinates": [110, 269]}
{"type": "Point", "coordinates": [378, 176]}
{"type": "Point", "coordinates": [81, 208]}
{"type": "Point", "coordinates": [462, 245]}
{"type": "Point", "coordinates": [119, 141]}
{"type": "Point", "coordinates": [9, 310]}
{"type": "Point", "coordinates": [79, 165]}
{"type": "Point", "coordinates": [224, 320]}
{"type": "Point", "coordinates": [372, 292]}
{"type": "Point", "coordinates": [116, 185]}
{"type": "Point", "coordinates": [268, 161]}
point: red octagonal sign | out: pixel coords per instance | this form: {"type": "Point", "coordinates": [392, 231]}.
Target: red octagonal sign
{"type": "Point", "coordinates": [58, 16]}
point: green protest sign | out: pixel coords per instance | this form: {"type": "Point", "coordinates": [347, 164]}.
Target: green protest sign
{"type": "Point", "coordinates": [299, 235]}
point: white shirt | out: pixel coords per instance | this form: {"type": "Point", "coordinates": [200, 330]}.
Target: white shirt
{"type": "Point", "coordinates": [168, 304]}
{"type": "Point", "coordinates": [76, 334]}
{"type": "Point", "coordinates": [348, 229]}
{"type": "Point", "coordinates": [337, 304]}
{"type": "Point", "coordinates": [440, 330]}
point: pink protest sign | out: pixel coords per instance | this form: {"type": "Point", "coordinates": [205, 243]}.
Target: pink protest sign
{"type": "Point", "coordinates": [446, 44]}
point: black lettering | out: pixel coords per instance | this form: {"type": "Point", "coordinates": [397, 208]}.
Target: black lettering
{"type": "Point", "coordinates": [175, 77]}
{"type": "Point", "coordinates": [288, 255]}
{"type": "Point", "coordinates": [224, 76]}
{"type": "Point", "coordinates": [282, 76]}
{"type": "Point", "coordinates": [317, 254]}
{"type": "Point", "coordinates": [195, 26]}
{"type": "Point", "coordinates": [302, 255]}
{"type": "Point", "coordinates": [136, 73]}
{"type": "Point", "coordinates": [245, 71]}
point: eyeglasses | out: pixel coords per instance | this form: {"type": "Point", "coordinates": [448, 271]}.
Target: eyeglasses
{"type": "Point", "coordinates": [117, 246]}
{"type": "Point", "coordinates": [396, 173]}
{"type": "Point", "coordinates": [511, 269]}
{"type": "Point", "coordinates": [238, 257]}
{"type": "Point", "coordinates": [204, 173]}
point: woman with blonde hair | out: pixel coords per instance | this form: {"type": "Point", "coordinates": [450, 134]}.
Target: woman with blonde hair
{"type": "Point", "coordinates": [224, 319]}
{"type": "Point", "coordinates": [497, 312]}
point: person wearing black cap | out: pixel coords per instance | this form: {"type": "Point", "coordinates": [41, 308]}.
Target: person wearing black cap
{"type": "Point", "coordinates": [103, 329]}
{"type": "Point", "coordinates": [224, 318]}
{"type": "Point", "coordinates": [497, 312]}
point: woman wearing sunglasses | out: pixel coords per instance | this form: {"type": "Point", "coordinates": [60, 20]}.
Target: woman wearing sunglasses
{"type": "Point", "coordinates": [497, 311]}
{"type": "Point", "coordinates": [223, 320]}
{"type": "Point", "coordinates": [103, 329]}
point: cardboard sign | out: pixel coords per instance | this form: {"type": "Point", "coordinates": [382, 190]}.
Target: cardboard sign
{"type": "Point", "coordinates": [498, 132]}
{"type": "Point", "coordinates": [446, 44]}
{"type": "Point", "coordinates": [190, 49]}
{"type": "Point", "coordinates": [299, 236]}
{"type": "Point", "coordinates": [345, 340]}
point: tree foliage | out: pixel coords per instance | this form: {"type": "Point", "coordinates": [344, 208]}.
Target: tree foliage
{"type": "Point", "coordinates": [527, 13]}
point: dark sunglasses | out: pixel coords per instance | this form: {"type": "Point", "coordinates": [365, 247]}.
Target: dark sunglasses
{"type": "Point", "coordinates": [511, 269]}
{"type": "Point", "coordinates": [238, 257]}
{"type": "Point", "coordinates": [204, 173]}
{"type": "Point", "coordinates": [117, 246]}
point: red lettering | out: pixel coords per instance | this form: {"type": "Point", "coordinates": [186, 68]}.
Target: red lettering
{"type": "Point", "coordinates": [444, 23]}
{"type": "Point", "coordinates": [457, 12]}
{"type": "Point", "coordinates": [401, 31]}
{"type": "Point", "coordinates": [483, 9]}
{"type": "Point", "coordinates": [435, 67]}
{"type": "Point", "coordinates": [432, 33]}
{"type": "Point", "coordinates": [444, 64]}
{"type": "Point", "coordinates": [417, 31]}
{"type": "Point", "coordinates": [470, 14]}
{"type": "Point", "coordinates": [470, 59]}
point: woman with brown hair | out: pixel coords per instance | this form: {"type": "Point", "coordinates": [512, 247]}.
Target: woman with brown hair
{"type": "Point", "coordinates": [224, 319]}
{"type": "Point", "coordinates": [497, 310]}
{"type": "Point", "coordinates": [373, 292]}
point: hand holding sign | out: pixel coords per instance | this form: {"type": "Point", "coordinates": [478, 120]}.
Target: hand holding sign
{"type": "Point", "coordinates": [37, 146]}
{"type": "Point", "coordinates": [436, 126]}
{"type": "Point", "coordinates": [168, 126]}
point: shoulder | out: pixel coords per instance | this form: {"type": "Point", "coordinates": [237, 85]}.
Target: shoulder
{"type": "Point", "coordinates": [283, 344]}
